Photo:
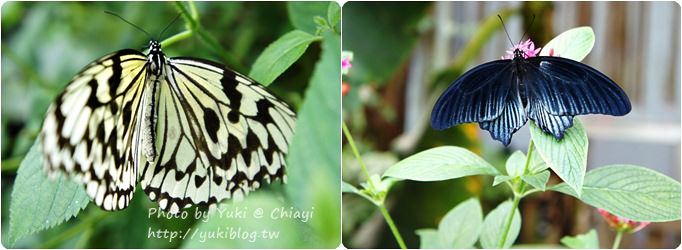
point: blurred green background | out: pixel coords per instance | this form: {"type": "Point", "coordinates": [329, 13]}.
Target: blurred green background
{"type": "Point", "coordinates": [46, 43]}
{"type": "Point", "coordinates": [406, 53]}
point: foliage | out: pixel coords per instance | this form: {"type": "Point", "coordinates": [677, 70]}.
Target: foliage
{"type": "Point", "coordinates": [43, 42]}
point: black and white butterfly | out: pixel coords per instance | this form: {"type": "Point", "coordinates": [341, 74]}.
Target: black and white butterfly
{"type": "Point", "coordinates": [192, 130]}
{"type": "Point", "coordinates": [501, 95]}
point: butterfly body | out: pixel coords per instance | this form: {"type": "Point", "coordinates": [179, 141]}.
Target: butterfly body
{"type": "Point", "coordinates": [502, 95]}
{"type": "Point", "coordinates": [191, 130]}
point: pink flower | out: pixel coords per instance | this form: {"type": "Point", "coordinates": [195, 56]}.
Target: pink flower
{"type": "Point", "coordinates": [527, 47]}
{"type": "Point", "coordinates": [621, 224]}
{"type": "Point", "coordinates": [345, 63]}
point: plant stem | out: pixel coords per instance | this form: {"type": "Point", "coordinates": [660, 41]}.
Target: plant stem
{"type": "Point", "coordinates": [394, 229]}
{"type": "Point", "coordinates": [509, 221]}
{"type": "Point", "coordinates": [194, 27]}
{"type": "Point", "coordinates": [380, 204]}
{"type": "Point", "coordinates": [616, 242]}
{"type": "Point", "coordinates": [346, 132]}
{"type": "Point", "coordinates": [177, 37]}
{"type": "Point", "coordinates": [530, 153]}
{"type": "Point", "coordinates": [518, 194]}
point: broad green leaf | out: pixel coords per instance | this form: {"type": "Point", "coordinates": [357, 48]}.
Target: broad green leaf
{"type": "Point", "coordinates": [573, 44]}
{"type": "Point", "coordinates": [590, 240]}
{"type": "Point", "coordinates": [302, 13]}
{"type": "Point", "coordinates": [428, 239]}
{"type": "Point", "coordinates": [441, 163]}
{"type": "Point", "coordinates": [538, 180]}
{"type": "Point", "coordinates": [568, 157]}
{"type": "Point", "coordinates": [500, 179]}
{"type": "Point", "coordinates": [39, 203]}
{"type": "Point", "coordinates": [333, 13]}
{"type": "Point", "coordinates": [348, 188]}
{"type": "Point", "coordinates": [494, 223]}
{"type": "Point", "coordinates": [537, 164]}
{"type": "Point", "coordinates": [314, 174]}
{"type": "Point", "coordinates": [461, 226]}
{"type": "Point", "coordinates": [632, 192]}
{"type": "Point", "coordinates": [279, 55]}
{"type": "Point", "coordinates": [515, 164]}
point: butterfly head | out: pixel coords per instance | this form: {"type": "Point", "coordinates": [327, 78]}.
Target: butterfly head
{"type": "Point", "coordinates": [518, 53]}
{"type": "Point", "coordinates": [155, 57]}
{"type": "Point", "coordinates": [154, 46]}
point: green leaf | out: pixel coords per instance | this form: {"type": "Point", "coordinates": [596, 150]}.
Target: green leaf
{"type": "Point", "coordinates": [461, 226]}
{"type": "Point", "coordinates": [348, 188]}
{"type": "Point", "coordinates": [537, 164]}
{"type": "Point", "coordinates": [314, 174]}
{"type": "Point", "coordinates": [632, 192]}
{"type": "Point", "coordinates": [573, 44]}
{"type": "Point", "coordinates": [515, 164]}
{"type": "Point", "coordinates": [441, 163]}
{"type": "Point", "coordinates": [38, 203]}
{"type": "Point", "coordinates": [333, 13]}
{"type": "Point", "coordinates": [301, 14]}
{"type": "Point", "coordinates": [494, 224]}
{"type": "Point", "coordinates": [590, 240]}
{"type": "Point", "coordinates": [380, 185]}
{"type": "Point", "coordinates": [279, 55]}
{"type": "Point", "coordinates": [538, 180]}
{"type": "Point", "coordinates": [568, 157]}
{"type": "Point", "coordinates": [500, 179]}
{"type": "Point", "coordinates": [428, 239]}
{"type": "Point", "coordinates": [321, 23]}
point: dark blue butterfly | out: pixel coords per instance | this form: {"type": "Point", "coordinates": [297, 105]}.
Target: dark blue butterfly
{"type": "Point", "coordinates": [501, 95]}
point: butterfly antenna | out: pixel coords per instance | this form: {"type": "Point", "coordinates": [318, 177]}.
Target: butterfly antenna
{"type": "Point", "coordinates": [531, 25]}
{"type": "Point", "coordinates": [505, 30]}
{"type": "Point", "coordinates": [116, 15]}
{"type": "Point", "coordinates": [167, 26]}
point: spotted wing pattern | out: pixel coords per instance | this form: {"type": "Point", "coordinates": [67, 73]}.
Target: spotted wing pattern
{"type": "Point", "coordinates": [216, 134]}
{"type": "Point", "coordinates": [219, 135]}
{"type": "Point", "coordinates": [91, 130]}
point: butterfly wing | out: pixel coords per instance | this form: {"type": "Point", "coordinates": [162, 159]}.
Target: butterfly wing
{"type": "Point", "coordinates": [512, 117]}
{"type": "Point", "coordinates": [477, 95]}
{"type": "Point", "coordinates": [560, 88]}
{"type": "Point", "coordinates": [487, 94]}
{"type": "Point", "coordinates": [90, 131]}
{"type": "Point", "coordinates": [219, 135]}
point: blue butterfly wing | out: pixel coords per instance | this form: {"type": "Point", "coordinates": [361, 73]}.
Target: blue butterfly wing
{"type": "Point", "coordinates": [487, 94]}
{"type": "Point", "coordinates": [568, 87]}
{"type": "Point", "coordinates": [512, 117]}
{"type": "Point", "coordinates": [560, 88]}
